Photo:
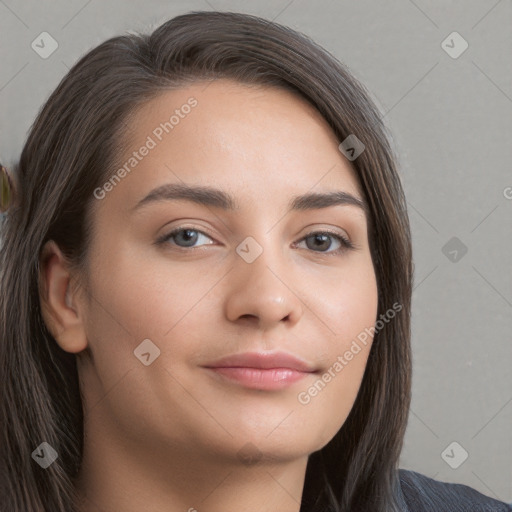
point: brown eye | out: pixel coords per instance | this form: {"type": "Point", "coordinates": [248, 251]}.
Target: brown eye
{"type": "Point", "coordinates": [322, 240]}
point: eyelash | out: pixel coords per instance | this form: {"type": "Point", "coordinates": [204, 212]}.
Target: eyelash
{"type": "Point", "coordinates": [346, 245]}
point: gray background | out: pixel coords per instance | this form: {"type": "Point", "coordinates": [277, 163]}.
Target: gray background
{"type": "Point", "coordinates": [452, 121]}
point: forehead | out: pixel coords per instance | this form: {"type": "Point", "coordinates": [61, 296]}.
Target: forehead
{"type": "Point", "coordinates": [264, 141]}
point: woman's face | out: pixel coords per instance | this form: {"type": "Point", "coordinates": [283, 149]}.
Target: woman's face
{"type": "Point", "coordinates": [253, 279]}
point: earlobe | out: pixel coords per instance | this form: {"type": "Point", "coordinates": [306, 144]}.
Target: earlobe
{"type": "Point", "coordinates": [59, 308]}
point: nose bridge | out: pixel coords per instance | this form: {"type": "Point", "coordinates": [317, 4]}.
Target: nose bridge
{"type": "Point", "coordinates": [262, 287]}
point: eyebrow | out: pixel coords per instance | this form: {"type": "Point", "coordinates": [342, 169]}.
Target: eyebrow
{"type": "Point", "coordinates": [209, 196]}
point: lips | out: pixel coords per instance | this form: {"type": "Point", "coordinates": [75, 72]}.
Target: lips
{"type": "Point", "coordinates": [263, 361]}
{"type": "Point", "coordinates": [262, 371]}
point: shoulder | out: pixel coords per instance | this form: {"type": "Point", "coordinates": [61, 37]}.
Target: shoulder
{"type": "Point", "coordinates": [424, 494]}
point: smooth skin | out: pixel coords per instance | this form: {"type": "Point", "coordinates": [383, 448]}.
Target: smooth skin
{"type": "Point", "coordinates": [166, 437]}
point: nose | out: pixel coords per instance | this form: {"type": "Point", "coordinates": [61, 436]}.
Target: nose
{"type": "Point", "coordinates": [263, 293]}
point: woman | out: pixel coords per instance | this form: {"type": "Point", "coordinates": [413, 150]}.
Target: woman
{"type": "Point", "coordinates": [206, 285]}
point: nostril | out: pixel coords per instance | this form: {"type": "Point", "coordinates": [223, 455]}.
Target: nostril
{"type": "Point", "coordinates": [248, 316]}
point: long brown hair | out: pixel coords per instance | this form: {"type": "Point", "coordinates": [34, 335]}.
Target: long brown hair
{"type": "Point", "coordinates": [70, 150]}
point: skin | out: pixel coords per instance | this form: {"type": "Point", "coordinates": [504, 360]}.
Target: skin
{"type": "Point", "coordinates": [167, 437]}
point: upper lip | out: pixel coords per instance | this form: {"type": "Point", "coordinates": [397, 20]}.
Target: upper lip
{"type": "Point", "coordinates": [262, 360]}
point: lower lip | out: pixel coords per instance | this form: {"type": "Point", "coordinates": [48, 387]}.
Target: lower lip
{"type": "Point", "coordinates": [258, 378]}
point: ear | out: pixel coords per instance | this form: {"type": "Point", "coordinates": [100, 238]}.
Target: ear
{"type": "Point", "coordinates": [59, 302]}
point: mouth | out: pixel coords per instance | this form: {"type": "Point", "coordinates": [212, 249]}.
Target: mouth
{"type": "Point", "coordinates": [259, 378]}
{"type": "Point", "coordinates": [264, 371]}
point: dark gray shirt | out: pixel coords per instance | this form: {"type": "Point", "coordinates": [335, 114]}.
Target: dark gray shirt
{"type": "Point", "coordinates": [423, 494]}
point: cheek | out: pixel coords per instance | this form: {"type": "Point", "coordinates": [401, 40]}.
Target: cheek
{"type": "Point", "coordinates": [344, 303]}
{"type": "Point", "coordinates": [140, 299]}
{"type": "Point", "coordinates": [148, 294]}
{"type": "Point", "coordinates": [134, 300]}
{"type": "Point", "coordinates": [345, 313]}
{"type": "Point", "coordinates": [328, 399]}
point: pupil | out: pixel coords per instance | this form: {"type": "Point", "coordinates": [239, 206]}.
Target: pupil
{"type": "Point", "coordinates": [187, 235]}
{"type": "Point", "coordinates": [322, 239]}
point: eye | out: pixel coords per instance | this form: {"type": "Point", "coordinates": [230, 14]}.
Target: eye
{"type": "Point", "coordinates": [320, 239]}
{"type": "Point", "coordinates": [187, 236]}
